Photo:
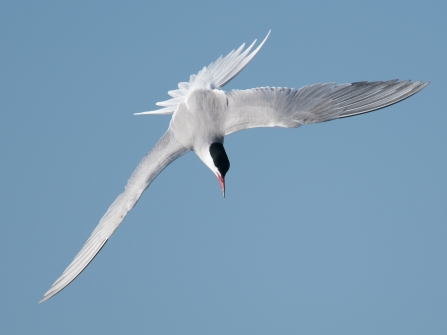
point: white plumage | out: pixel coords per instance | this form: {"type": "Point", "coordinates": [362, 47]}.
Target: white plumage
{"type": "Point", "coordinates": [203, 114]}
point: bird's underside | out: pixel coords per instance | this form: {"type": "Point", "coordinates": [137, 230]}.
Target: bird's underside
{"type": "Point", "coordinates": [203, 114]}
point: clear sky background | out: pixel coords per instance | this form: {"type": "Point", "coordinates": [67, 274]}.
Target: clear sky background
{"type": "Point", "coordinates": [335, 228]}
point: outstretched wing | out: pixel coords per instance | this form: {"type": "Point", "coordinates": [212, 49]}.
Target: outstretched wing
{"type": "Point", "coordinates": [289, 108]}
{"type": "Point", "coordinates": [216, 75]}
{"type": "Point", "coordinates": [163, 153]}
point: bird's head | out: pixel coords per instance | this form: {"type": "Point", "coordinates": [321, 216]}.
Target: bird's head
{"type": "Point", "coordinates": [216, 159]}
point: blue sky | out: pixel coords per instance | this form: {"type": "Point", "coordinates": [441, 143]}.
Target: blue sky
{"type": "Point", "coordinates": [335, 228]}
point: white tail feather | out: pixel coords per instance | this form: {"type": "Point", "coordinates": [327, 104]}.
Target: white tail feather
{"type": "Point", "coordinates": [216, 75]}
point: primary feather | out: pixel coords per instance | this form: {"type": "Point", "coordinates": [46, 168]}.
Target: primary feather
{"type": "Point", "coordinates": [290, 108]}
{"type": "Point", "coordinates": [162, 154]}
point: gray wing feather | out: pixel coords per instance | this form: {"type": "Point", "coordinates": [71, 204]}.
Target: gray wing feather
{"type": "Point", "coordinates": [163, 153]}
{"type": "Point", "coordinates": [289, 108]}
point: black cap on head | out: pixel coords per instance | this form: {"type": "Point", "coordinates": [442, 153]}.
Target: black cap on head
{"type": "Point", "coordinates": [220, 158]}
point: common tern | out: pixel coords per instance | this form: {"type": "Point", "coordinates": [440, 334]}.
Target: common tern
{"type": "Point", "coordinates": [203, 114]}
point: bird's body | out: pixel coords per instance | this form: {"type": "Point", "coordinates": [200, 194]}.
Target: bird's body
{"type": "Point", "coordinates": [200, 120]}
{"type": "Point", "coordinates": [203, 115]}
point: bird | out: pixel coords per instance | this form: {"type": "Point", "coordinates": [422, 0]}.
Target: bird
{"type": "Point", "coordinates": [203, 114]}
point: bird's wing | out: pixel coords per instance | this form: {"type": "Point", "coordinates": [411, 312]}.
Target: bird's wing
{"type": "Point", "coordinates": [216, 75]}
{"type": "Point", "coordinates": [285, 107]}
{"type": "Point", "coordinates": [163, 153]}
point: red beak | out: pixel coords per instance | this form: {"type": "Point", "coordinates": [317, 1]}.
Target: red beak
{"type": "Point", "coordinates": [222, 183]}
